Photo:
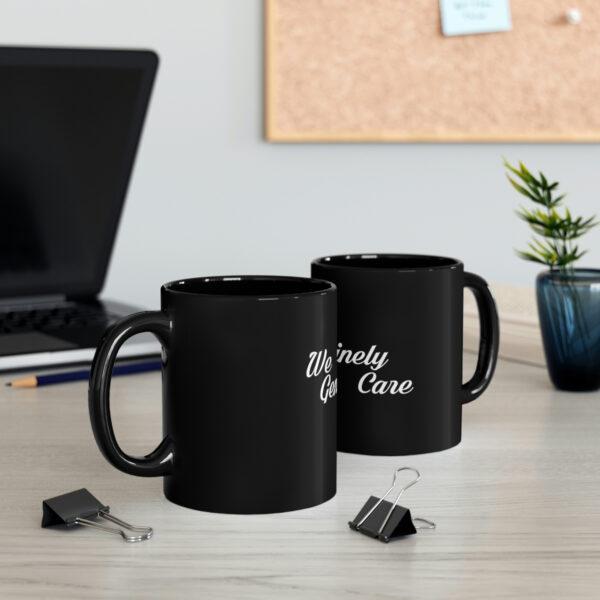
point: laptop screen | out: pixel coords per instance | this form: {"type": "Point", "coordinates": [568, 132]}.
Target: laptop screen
{"type": "Point", "coordinates": [70, 121]}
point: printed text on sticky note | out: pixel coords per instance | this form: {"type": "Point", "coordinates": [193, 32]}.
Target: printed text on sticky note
{"type": "Point", "coordinates": [460, 17]}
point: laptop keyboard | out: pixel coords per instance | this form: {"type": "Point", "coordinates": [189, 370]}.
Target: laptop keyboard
{"type": "Point", "coordinates": [54, 317]}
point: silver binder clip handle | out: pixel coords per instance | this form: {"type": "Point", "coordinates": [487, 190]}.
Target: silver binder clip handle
{"type": "Point", "coordinates": [428, 524]}
{"type": "Point", "coordinates": [141, 533]}
{"type": "Point", "coordinates": [389, 514]}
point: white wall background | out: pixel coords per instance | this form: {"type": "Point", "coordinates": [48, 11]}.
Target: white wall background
{"type": "Point", "coordinates": [209, 196]}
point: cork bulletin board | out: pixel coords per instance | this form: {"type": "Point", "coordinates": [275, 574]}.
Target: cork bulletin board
{"type": "Point", "coordinates": [382, 71]}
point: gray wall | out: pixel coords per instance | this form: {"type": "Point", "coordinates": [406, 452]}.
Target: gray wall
{"type": "Point", "coordinates": [209, 196]}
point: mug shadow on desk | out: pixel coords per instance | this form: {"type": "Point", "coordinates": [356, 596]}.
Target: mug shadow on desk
{"type": "Point", "coordinates": [249, 393]}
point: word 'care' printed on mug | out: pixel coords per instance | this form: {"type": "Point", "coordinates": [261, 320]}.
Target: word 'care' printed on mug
{"type": "Point", "coordinates": [370, 382]}
{"type": "Point", "coordinates": [321, 363]}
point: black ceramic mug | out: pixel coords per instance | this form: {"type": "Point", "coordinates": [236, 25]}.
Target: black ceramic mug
{"type": "Point", "coordinates": [400, 334]}
{"type": "Point", "coordinates": [249, 384]}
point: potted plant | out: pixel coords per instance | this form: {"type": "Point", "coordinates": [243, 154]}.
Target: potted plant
{"type": "Point", "coordinates": [568, 298]}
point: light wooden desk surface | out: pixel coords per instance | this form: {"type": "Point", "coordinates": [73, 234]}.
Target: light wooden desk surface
{"type": "Point", "coordinates": [517, 506]}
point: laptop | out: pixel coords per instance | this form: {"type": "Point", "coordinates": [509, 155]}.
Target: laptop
{"type": "Point", "coordinates": [70, 123]}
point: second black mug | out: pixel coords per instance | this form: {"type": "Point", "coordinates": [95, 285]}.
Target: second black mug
{"type": "Point", "coordinates": [249, 393]}
{"type": "Point", "coordinates": [400, 332]}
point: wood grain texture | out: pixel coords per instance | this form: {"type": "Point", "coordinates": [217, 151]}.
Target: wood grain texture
{"type": "Point", "coordinates": [381, 71]}
{"type": "Point", "coordinates": [516, 506]}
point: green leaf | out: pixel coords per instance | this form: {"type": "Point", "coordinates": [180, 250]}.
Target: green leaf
{"type": "Point", "coordinates": [589, 222]}
{"type": "Point", "coordinates": [524, 175]}
{"type": "Point", "coordinates": [522, 190]}
{"type": "Point", "coordinates": [527, 175]}
{"type": "Point", "coordinates": [529, 256]}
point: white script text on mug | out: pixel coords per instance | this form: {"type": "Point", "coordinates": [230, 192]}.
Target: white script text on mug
{"type": "Point", "coordinates": [321, 362]}
{"type": "Point", "coordinates": [375, 360]}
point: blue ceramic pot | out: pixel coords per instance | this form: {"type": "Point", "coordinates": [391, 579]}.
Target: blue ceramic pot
{"type": "Point", "coordinates": [569, 310]}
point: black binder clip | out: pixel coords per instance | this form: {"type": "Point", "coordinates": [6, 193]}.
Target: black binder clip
{"type": "Point", "coordinates": [385, 521]}
{"type": "Point", "coordinates": [81, 508]}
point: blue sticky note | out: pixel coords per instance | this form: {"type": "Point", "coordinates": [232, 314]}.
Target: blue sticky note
{"type": "Point", "coordinates": [460, 17]}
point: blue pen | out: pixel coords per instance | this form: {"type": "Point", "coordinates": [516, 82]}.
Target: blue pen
{"type": "Point", "coordinates": [83, 375]}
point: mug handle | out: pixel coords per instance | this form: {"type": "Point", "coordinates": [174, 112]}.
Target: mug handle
{"type": "Point", "coordinates": [489, 338]}
{"type": "Point", "coordinates": [160, 460]}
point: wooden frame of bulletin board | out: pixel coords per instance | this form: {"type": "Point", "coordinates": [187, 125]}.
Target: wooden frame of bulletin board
{"type": "Point", "coordinates": [382, 71]}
